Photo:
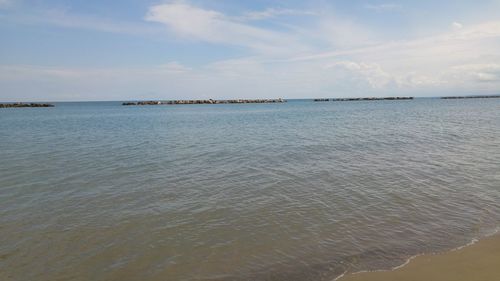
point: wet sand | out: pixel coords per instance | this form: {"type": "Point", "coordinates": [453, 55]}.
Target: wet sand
{"type": "Point", "coordinates": [477, 262]}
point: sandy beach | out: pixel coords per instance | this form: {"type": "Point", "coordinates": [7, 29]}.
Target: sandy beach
{"type": "Point", "coordinates": [477, 262]}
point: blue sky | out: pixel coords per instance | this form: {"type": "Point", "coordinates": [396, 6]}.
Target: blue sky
{"type": "Point", "coordinates": [121, 50]}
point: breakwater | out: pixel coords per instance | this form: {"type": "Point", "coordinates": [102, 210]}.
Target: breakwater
{"type": "Point", "coordinates": [209, 101]}
{"type": "Point", "coordinates": [470, 97]}
{"type": "Point", "coordinates": [364, 99]}
{"type": "Point", "coordinates": [10, 105]}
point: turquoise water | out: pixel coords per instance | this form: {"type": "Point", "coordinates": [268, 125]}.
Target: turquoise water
{"type": "Point", "coordinates": [294, 191]}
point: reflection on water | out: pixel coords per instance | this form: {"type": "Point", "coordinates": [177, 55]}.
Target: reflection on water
{"type": "Point", "coordinates": [295, 191]}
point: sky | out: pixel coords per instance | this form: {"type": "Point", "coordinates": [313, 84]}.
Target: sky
{"type": "Point", "coordinates": [89, 50]}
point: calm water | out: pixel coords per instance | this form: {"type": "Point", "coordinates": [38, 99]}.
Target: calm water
{"type": "Point", "coordinates": [295, 191]}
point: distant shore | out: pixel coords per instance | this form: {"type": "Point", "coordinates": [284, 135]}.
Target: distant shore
{"type": "Point", "coordinates": [477, 262]}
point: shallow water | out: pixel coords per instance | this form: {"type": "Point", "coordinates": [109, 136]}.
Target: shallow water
{"type": "Point", "coordinates": [294, 191]}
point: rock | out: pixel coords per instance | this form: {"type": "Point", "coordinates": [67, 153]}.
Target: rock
{"type": "Point", "coordinates": [471, 97]}
{"type": "Point", "coordinates": [373, 99]}
{"type": "Point", "coordinates": [209, 101]}
{"type": "Point", "coordinates": [19, 104]}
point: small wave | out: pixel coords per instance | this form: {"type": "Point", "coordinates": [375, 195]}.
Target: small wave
{"type": "Point", "coordinates": [340, 276]}
{"type": "Point", "coordinates": [407, 261]}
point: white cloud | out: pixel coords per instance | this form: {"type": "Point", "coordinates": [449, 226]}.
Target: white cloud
{"type": "Point", "coordinates": [174, 67]}
{"type": "Point", "coordinates": [251, 77]}
{"type": "Point", "coordinates": [342, 33]}
{"type": "Point", "coordinates": [478, 31]}
{"type": "Point", "coordinates": [456, 25]}
{"type": "Point", "coordinates": [197, 24]}
{"type": "Point", "coordinates": [194, 23]}
{"type": "Point", "coordinates": [383, 7]}
{"type": "Point", "coordinates": [487, 72]}
{"type": "Point", "coordinates": [373, 73]}
{"type": "Point", "coordinates": [488, 77]}
{"type": "Point", "coordinates": [428, 61]}
{"type": "Point", "coordinates": [275, 12]}
{"type": "Point", "coordinates": [445, 45]}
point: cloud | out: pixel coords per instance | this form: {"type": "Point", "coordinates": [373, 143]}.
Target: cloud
{"type": "Point", "coordinates": [250, 77]}
{"type": "Point", "coordinates": [342, 33]}
{"type": "Point", "coordinates": [456, 25]}
{"type": "Point", "coordinates": [174, 67]}
{"type": "Point", "coordinates": [275, 12]}
{"type": "Point", "coordinates": [486, 73]}
{"type": "Point", "coordinates": [383, 7]}
{"type": "Point", "coordinates": [477, 32]}
{"type": "Point", "coordinates": [194, 23]}
{"type": "Point", "coordinates": [445, 49]}
{"type": "Point", "coordinates": [372, 73]}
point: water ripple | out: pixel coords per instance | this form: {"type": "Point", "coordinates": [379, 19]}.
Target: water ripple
{"type": "Point", "coordinates": [295, 191]}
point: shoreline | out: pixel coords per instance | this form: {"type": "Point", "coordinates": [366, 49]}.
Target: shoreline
{"type": "Point", "coordinates": [475, 261]}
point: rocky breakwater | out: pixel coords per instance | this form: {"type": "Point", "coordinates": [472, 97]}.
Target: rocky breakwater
{"type": "Point", "coordinates": [143, 103]}
{"type": "Point", "coordinates": [19, 104]}
{"type": "Point", "coordinates": [209, 101]}
{"type": "Point", "coordinates": [470, 97]}
{"type": "Point", "coordinates": [373, 99]}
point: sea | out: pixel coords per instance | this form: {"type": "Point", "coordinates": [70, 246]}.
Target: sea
{"type": "Point", "coordinates": [300, 190]}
